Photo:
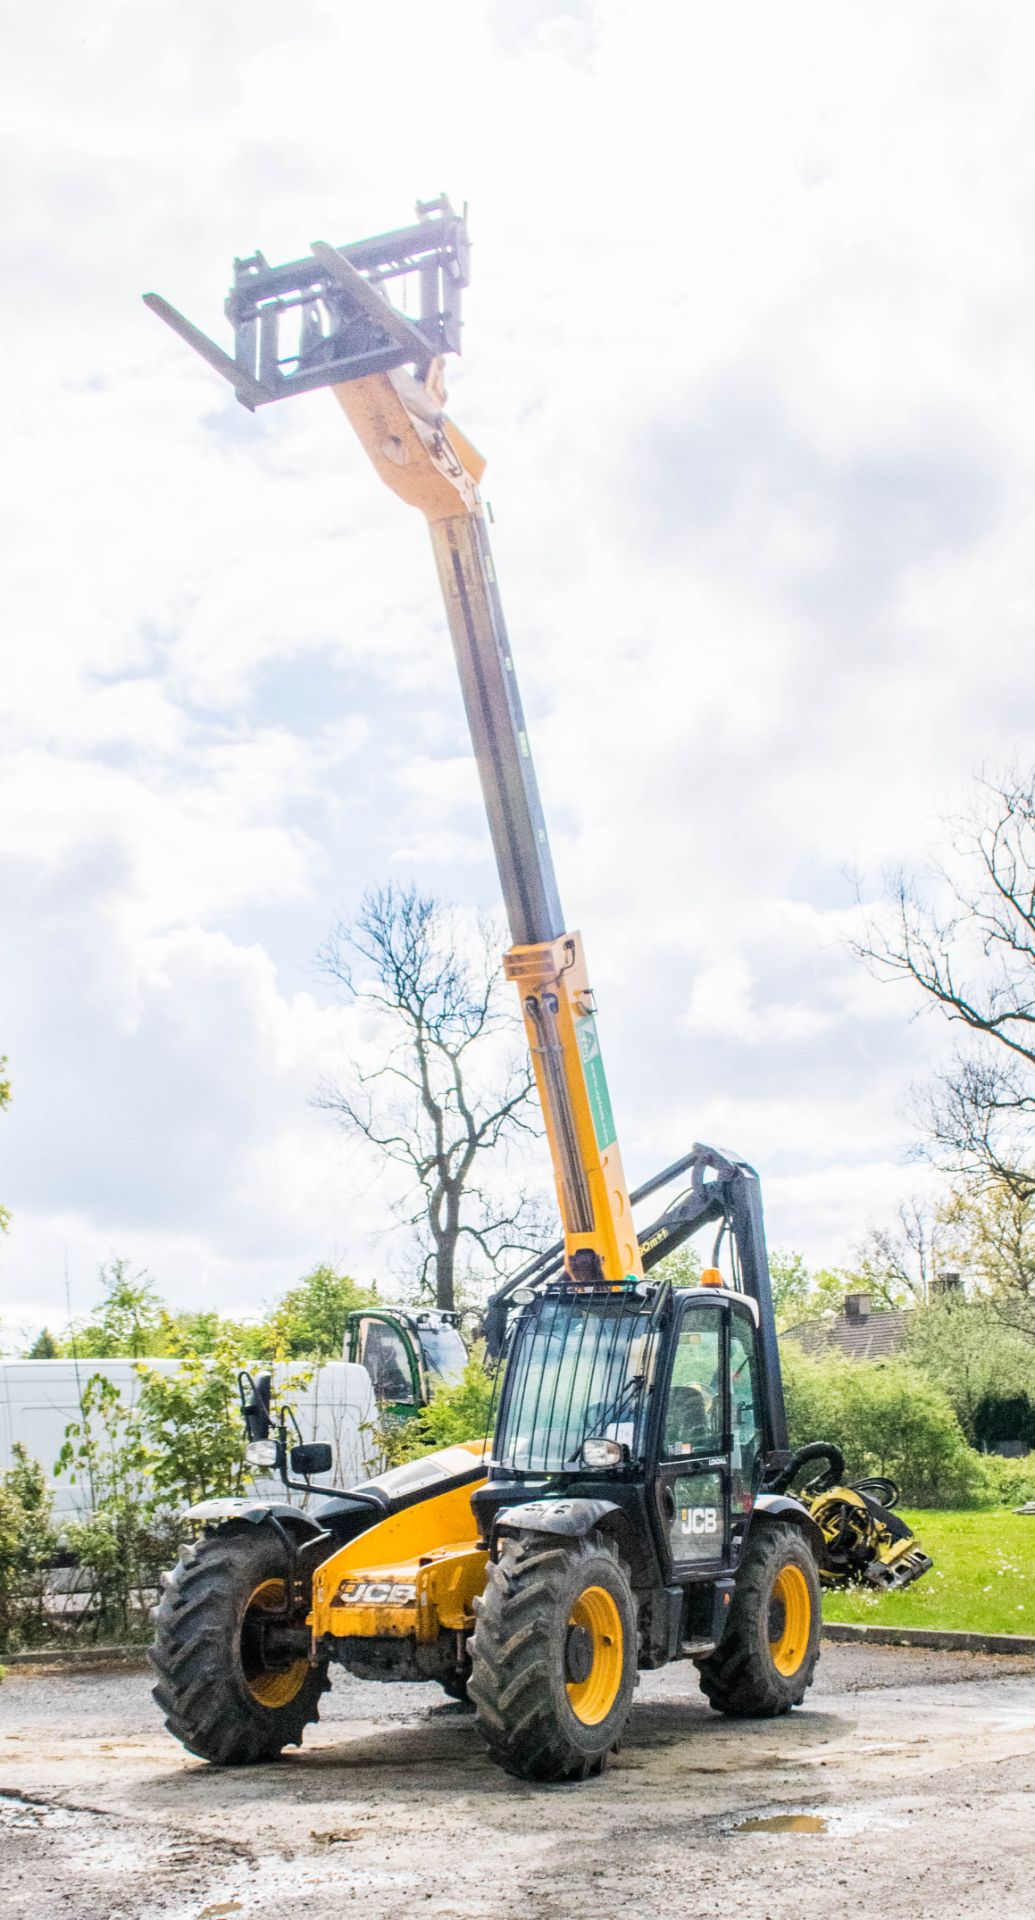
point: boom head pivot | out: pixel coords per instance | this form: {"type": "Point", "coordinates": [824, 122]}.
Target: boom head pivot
{"type": "Point", "coordinates": [327, 318]}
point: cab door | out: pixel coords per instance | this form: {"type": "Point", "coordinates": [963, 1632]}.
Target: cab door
{"type": "Point", "coordinates": [388, 1359]}
{"type": "Point", "coordinates": [692, 1480]}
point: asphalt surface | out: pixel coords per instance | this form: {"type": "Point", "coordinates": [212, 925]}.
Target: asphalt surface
{"type": "Point", "coordinates": [905, 1787]}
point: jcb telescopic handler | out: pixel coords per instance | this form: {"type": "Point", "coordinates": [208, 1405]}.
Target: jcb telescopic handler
{"type": "Point", "coordinates": [635, 1503]}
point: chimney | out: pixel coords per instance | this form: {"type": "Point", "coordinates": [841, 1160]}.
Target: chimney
{"type": "Point", "coordinates": [857, 1306]}
{"type": "Point", "coordinates": [950, 1280]}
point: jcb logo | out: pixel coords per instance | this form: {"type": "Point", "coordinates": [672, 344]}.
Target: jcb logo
{"type": "Point", "coordinates": [696, 1520]}
{"type": "Point", "coordinates": [375, 1593]}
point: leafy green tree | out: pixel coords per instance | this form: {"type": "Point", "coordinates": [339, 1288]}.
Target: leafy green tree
{"type": "Point", "coordinates": [309, 1321]}
{"type": "Point", "coordinates": [991, 1226]}
{"type": "Point", "coordinates": [961, 1345]}
{"type": "Point", "coordinates": [190, 1424]}
{"type": "Point", "coordinates": [130, 1321]}
{"type": "Point", "coordinates": [44, 1347]}
{"type": "Point", "coordinates": [681, 1269]}
{"type": "Point", "coordinates": [205, 1329]}
{"type": "Point", "coordinates": [791, 1283]}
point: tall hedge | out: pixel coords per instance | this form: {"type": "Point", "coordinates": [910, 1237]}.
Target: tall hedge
{"type": "Point", "coordinates": [887, 1418]}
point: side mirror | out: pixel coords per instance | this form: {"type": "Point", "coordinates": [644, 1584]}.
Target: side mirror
{"type": "Point", "coordinates": [317, 1457]}
{"type": "Point", "coordinates": [255, 1404]}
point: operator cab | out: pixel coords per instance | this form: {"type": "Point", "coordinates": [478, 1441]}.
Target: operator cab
{"type": "Point", "coordinates": [650, 1397]}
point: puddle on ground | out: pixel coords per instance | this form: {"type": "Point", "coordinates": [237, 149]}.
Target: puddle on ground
{"type": "Point", "coordinates": [782, 1823]}
{"type": "Point", "coordinates": [833, 1820]}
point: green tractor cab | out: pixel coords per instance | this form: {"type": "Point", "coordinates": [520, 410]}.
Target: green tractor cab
{"type": "Point", "coordinates": [408, 1353]}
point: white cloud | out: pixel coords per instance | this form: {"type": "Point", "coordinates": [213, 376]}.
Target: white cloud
{"type": "Point", "coordinates": [748, 345]}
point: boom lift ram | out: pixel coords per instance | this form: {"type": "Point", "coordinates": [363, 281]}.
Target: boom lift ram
{"type": "Point", "coordinates": [636, 1505]}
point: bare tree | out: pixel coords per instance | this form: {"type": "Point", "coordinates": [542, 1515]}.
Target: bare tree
{"type": "Point", "coordinates": [993, 1240]}
{"type": "Point", "coordinates": [975, 961]}
{"type": "Point", "coordinates": [449, 1095]}
{"type": "Point", "coordinates": [900, 1262]}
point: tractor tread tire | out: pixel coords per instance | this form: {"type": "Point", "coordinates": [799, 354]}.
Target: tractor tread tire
{"type": "Point", "coordinates": [517, 1683]}
{"type": "Point", "coordinates": [740, 1679]}
{"type": "Point", "coordinates": [202, 1689]}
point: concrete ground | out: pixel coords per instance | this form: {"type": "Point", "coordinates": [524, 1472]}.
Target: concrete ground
{"type": "Point", "coordinates": [906, 1787]}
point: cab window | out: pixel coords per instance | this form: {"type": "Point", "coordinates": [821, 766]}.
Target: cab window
{"type": "Point", "coordinates": [693, 1414]}
{"type": "Point", "coordinates": [385, 1358]}
{"type": "Point", "coordinates": [746, 1422]}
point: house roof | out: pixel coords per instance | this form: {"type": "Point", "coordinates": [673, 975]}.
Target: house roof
{"type": "Point", "coordinates": [872, 1336]}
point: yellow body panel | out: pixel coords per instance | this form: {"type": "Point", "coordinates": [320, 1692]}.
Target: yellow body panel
{"type": "Point", "coordinates": [409, 1574]}
{"type": "Point", "coordinates": [413, 1599]}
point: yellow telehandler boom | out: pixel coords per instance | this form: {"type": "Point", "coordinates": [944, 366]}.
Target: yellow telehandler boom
{"type": "Point", "coordinates": [386, 373]}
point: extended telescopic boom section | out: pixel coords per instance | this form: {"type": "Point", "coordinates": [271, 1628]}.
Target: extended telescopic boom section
{"type": "Point", "coordinates": [326, 320]}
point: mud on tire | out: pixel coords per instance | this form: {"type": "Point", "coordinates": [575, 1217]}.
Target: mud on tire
{"type": "Point", "coordinates": [765, 1662]}
{"type": "Point", "coordinates": [219, 1696]}
{"type": "Point", "coordinates": [538, 1721]}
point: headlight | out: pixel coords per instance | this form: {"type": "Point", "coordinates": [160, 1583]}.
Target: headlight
{"type": "Point", "coordinates": [601, 1453]}
{"type": "Point", "coordinates": [261, 1453]}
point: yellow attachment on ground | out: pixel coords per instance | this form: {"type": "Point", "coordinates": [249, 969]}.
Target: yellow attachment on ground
{"type": "Point", "coordinates": [790, 1620]}
{"type": "Point", "coordinates": [595, 1613]}
{"type": "Point", "coordinates": [557, 1006]}
{"type": "Point", "coordinates": [845, 1518]}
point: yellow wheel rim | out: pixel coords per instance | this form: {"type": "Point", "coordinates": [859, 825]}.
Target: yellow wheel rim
{"type": "Point", "coordinates": [596, 1613]}
{"type": "Point", "coordinates": [790, 1620]}
{"type": "Point", "coordinates": [271, 1688]}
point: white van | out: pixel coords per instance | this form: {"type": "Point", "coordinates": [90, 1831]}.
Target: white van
{"type": "Point", "coordinates": [39, 1399]}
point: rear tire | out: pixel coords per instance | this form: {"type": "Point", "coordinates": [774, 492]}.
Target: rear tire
{"type": "Point", "coordinates": [554, 1656]}
{"type": "Point", "coordinates": [766, 1659]}
{"type": "Point", "coordinates": [221, 1695]}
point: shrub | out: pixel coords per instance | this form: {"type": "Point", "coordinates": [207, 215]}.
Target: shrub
{"type": "Point", "coordinates": [1004, 1416]}
{"type": "Point", "coordinates": [888, 1418]}
{"type": "Point", "coordinates": [460, 1412]}
{"type": "Point", "coordinates": [124, 1540]}
{"type": "Point", "coordinates": [1007, 1483]}
{"type": "Point", "coordinates": [27, 1546]}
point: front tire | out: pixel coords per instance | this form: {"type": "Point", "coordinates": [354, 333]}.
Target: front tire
{"type": "Point", "coordinates": [766, 1659]}
{"type": "Point", "coordinates": [225, 1697]}
{"type": "Point", "coordinates": [554, 1656]}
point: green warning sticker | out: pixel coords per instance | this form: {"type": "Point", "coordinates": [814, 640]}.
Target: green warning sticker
{"type": "Point", "coordinates": [596, 1083]}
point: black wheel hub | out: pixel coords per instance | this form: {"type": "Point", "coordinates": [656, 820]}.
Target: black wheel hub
{"type": "Point", "coordinates": [578, 1655]}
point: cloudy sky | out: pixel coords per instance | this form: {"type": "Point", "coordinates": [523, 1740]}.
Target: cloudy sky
{"type": "Point", "coordinates": [749, 348]}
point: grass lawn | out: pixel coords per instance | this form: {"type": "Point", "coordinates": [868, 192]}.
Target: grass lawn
{"type": "Point", "coordinates": [983, 1578]}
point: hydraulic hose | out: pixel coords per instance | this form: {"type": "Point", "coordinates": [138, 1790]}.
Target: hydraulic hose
{"type": "Point", "coordinates": [816, 1450]}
